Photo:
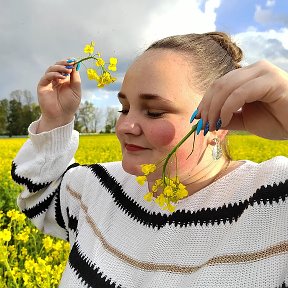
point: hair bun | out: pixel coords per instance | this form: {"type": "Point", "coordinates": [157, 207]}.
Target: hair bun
{"type": "Point", "coordinates": [225, 41]}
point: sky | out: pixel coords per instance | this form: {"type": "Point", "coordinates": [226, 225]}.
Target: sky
{"type": "Point", "coordinates": [34, 34]}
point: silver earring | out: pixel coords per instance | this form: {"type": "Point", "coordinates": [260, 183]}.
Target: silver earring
{"type": "Point", "coordinates": [217, 150]}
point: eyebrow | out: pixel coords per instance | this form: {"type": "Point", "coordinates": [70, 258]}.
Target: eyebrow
{"type": "Point", "coordinates": [146, 96]}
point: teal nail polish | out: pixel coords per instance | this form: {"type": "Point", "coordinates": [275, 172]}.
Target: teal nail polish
{"type": "Point", "coordinates": [193, 115]}
{"type": "Point", "coordinates": [199, 126]}
{"type": "Point", "coordinates": [78, 66]}
{"type": "Point", "coordinates": [71, 60]}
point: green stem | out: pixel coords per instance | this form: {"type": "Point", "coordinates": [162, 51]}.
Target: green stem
{"type": "Point", "coordinates": [86, 58]}
{"type": "Point", "coordinates": [193, 129]}
{"type": "Point", "coordinates": [7, 265]}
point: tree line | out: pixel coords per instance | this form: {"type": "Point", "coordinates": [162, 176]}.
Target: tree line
{"type": "Point", "coordinates": [17, 112]}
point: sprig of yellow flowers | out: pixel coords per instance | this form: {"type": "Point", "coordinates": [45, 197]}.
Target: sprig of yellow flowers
{"type": "Point", "coordinates": [166, 191]}
{"type": "Point", "coordinates": [100, 73]}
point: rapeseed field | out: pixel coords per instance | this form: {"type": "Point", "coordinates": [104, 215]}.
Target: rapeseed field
{"type": "Point", "coordinates": [30, 259]}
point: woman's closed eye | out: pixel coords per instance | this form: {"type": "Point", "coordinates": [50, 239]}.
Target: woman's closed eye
{"type": "Point", "coordinates": [149, 113]}
{"type": "Point", "coordinates": [155, 114]}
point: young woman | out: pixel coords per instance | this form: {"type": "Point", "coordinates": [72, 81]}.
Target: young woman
{"type": "Point", "coordinates": [231, 229]}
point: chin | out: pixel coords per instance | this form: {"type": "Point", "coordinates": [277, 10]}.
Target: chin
{"type": "Point", "coordinates": [131, 168]}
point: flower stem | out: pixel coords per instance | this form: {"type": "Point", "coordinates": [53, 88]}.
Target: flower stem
{"type": "Point", "coordinates": [193, 129]}
{"type": "Point", "coordinates": [86, 58]}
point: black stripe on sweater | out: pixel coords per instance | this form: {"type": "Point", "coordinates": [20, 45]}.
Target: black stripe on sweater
{"type": "Point", "coordinates": [40, 207]}
{"type": "Point", "coordinates": [226, 213]}
{"type": "Point", "coordinates": [32, 187]}
{"type": "Point", "coordinates": [72, 222]}
{"type": "Point", "coordinates": [87, 272]}
{"type": "Point", "coordinates": [283, 285]}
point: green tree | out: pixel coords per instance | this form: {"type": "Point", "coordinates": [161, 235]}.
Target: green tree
{"type": "Point", "coordinates": [4, 106]}
{"type": "Point", "coordinates": [14, 118]}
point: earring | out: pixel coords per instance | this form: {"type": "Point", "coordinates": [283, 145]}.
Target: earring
{"type": "Point", "coordinates": [217, 150]}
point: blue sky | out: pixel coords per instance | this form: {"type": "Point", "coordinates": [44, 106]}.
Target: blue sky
{"type": "Point", "coordinates": [34, 34]}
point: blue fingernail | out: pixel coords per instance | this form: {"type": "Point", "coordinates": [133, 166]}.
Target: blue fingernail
{"type": "Point", "coordinates": [78, 66]}
{"type": "Point", "coordinates": [193, 115]}
{"type": "Point", "coordinates": [206, 129]}
{"type": "Point", "coordinates": [65, 74]}
{"type": "Point", "coordinates": [218, 124]}
{"type": "Point", "coordinates": [69, 67]}
{"type": "Point", "coordinates": [71, 60]}
{"type": "Point", "coordinates": [199, 126]}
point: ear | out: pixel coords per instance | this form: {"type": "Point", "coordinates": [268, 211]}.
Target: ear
{"type": "Point", "coordinates": [220, 134]}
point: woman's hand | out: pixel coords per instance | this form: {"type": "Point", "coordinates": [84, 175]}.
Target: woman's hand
{"type": "Point", "coordinates": [59, 95]}
{"type": "Point", "coordinates": [252, 98]}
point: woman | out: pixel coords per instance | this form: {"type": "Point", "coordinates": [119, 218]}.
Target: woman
{"type": "Point", "coordinates": [231, 230]}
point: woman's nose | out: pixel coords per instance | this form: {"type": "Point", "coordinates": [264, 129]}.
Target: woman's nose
{"type": "Point", "coordinates": [129, 124]}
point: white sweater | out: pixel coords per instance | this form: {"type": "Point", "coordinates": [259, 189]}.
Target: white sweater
{"type": "Point", "coordinates": [233, 233]}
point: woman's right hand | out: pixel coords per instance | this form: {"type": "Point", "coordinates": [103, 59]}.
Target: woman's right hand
{"type": "Point", "coordinates": [59, 96]}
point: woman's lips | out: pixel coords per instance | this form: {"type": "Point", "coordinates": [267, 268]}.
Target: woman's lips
{"type": "Point", "coordinates": [132, 147]}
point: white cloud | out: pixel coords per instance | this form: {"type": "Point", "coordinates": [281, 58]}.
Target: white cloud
{"type": "Point", "coordinates": [271, 45]}
{"type": "Point", "coordinates": [270, 3]}
{"type": "Point", "coordinates": [180, 17]}
{"type": "Point", "coordinates": [267, 16]}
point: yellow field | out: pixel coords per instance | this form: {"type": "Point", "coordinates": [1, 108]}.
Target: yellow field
{"type": "Point", "coordinates": [30, 259]}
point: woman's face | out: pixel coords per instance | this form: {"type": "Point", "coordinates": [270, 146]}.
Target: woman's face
{"type": "Point", "coordinates": [157, 101]}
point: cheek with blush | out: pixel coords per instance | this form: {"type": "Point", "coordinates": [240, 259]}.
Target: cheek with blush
{"type": "Point", "coordinates": [162, 134]}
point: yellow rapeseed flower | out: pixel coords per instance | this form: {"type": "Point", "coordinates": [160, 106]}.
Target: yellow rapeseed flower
{"type": "Point", "coordinates": [5, 235]}
{"type": "Point", "coordinates": [141, 179]}
{"type": "Point", "coordinates": [148, 196]}
{"type": "Point", "coordinates": [148, 168]}
{"type": "Point", "coordinates": [113, 62]}
{"type": "Point", "coordinates": [89, 48]}
{"type": "Point", "coordinates": [92, 74]}
{"type": "Point", "coordinates": [100, 62]}
{"type": "Point", "coordinates": [47, 243]}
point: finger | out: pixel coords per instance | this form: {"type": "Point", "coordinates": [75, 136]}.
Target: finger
{"type": "Point", "coordinates": [252, 91]}
{"type": "Point", "coordinates": [215, 97]}
{"type": "Point", "coordinates": [75, 80]}
{"type": "Point", "coordinates": [49, 77]}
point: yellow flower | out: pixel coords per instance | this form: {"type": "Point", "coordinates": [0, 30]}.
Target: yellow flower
{"type": "Point", "coordinates": [171, 208]}
{"type": "Point", "coordinates": [5, 235]}
{"type": "Point", "coordinates": [141, 179]}
{"type": "Point", "coordinates": [47, 243]}
{"type": "Point", "coordinates": [105, 79]}
{"type": "Point", "coordinates": [160, 200]}
{"type": "Point", "coordinates": [113, 63]}
{"type": "Point", "coordinates": [148, 168]}
{"type": "Point", "coordinates": [89, 48]}
{"type": "Point", "coordinates": [168, 191]}
{"type": "Point", "coordinates": [100, 62]}
{"type": "Point", "coordinates": [181, 193]}
{"type": "Point", "coordinates": [92, 74]}
{"type": "Point", "coordinates": [148, 196]}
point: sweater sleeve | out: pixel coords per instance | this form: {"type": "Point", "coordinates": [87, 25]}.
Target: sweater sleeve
{"type": "Point", "coordinates": [40, 166]}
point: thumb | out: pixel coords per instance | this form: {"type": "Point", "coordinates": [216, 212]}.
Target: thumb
{"type": "Point", "coordinates": [75, 79]}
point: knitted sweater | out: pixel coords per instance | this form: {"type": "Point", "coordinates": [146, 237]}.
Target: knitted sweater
{"type": "Point", "coordinates": [233, 233]}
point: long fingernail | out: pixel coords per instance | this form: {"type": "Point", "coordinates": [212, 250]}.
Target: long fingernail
{"type": "Point", "coordinates": [199, 126]}
{"type": "Point", "coordinates": [206, 129]}
{"type": "Point", "coordinates": [69, 66]}
{"type": "Point", "coordinates": [65, 74]}
{"type": "Point", "coordinates": [78, 66]}
{"type": "Point", "coordinates": [71, 60]}
{"type": "Point", "coordinates": [218, 124]}
{"type": "Point", "coordinates": [194, 115]}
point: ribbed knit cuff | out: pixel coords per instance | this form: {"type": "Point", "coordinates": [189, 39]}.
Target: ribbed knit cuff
{"type": "Point", "coordinates": [54, 141]}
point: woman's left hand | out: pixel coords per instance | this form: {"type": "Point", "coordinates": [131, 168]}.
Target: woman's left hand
{"type": "Point", "coordinates": [252, 98]}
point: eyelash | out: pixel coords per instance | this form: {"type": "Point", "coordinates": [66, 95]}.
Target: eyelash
{"type": "Point", "coordinates": [150, 114]}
